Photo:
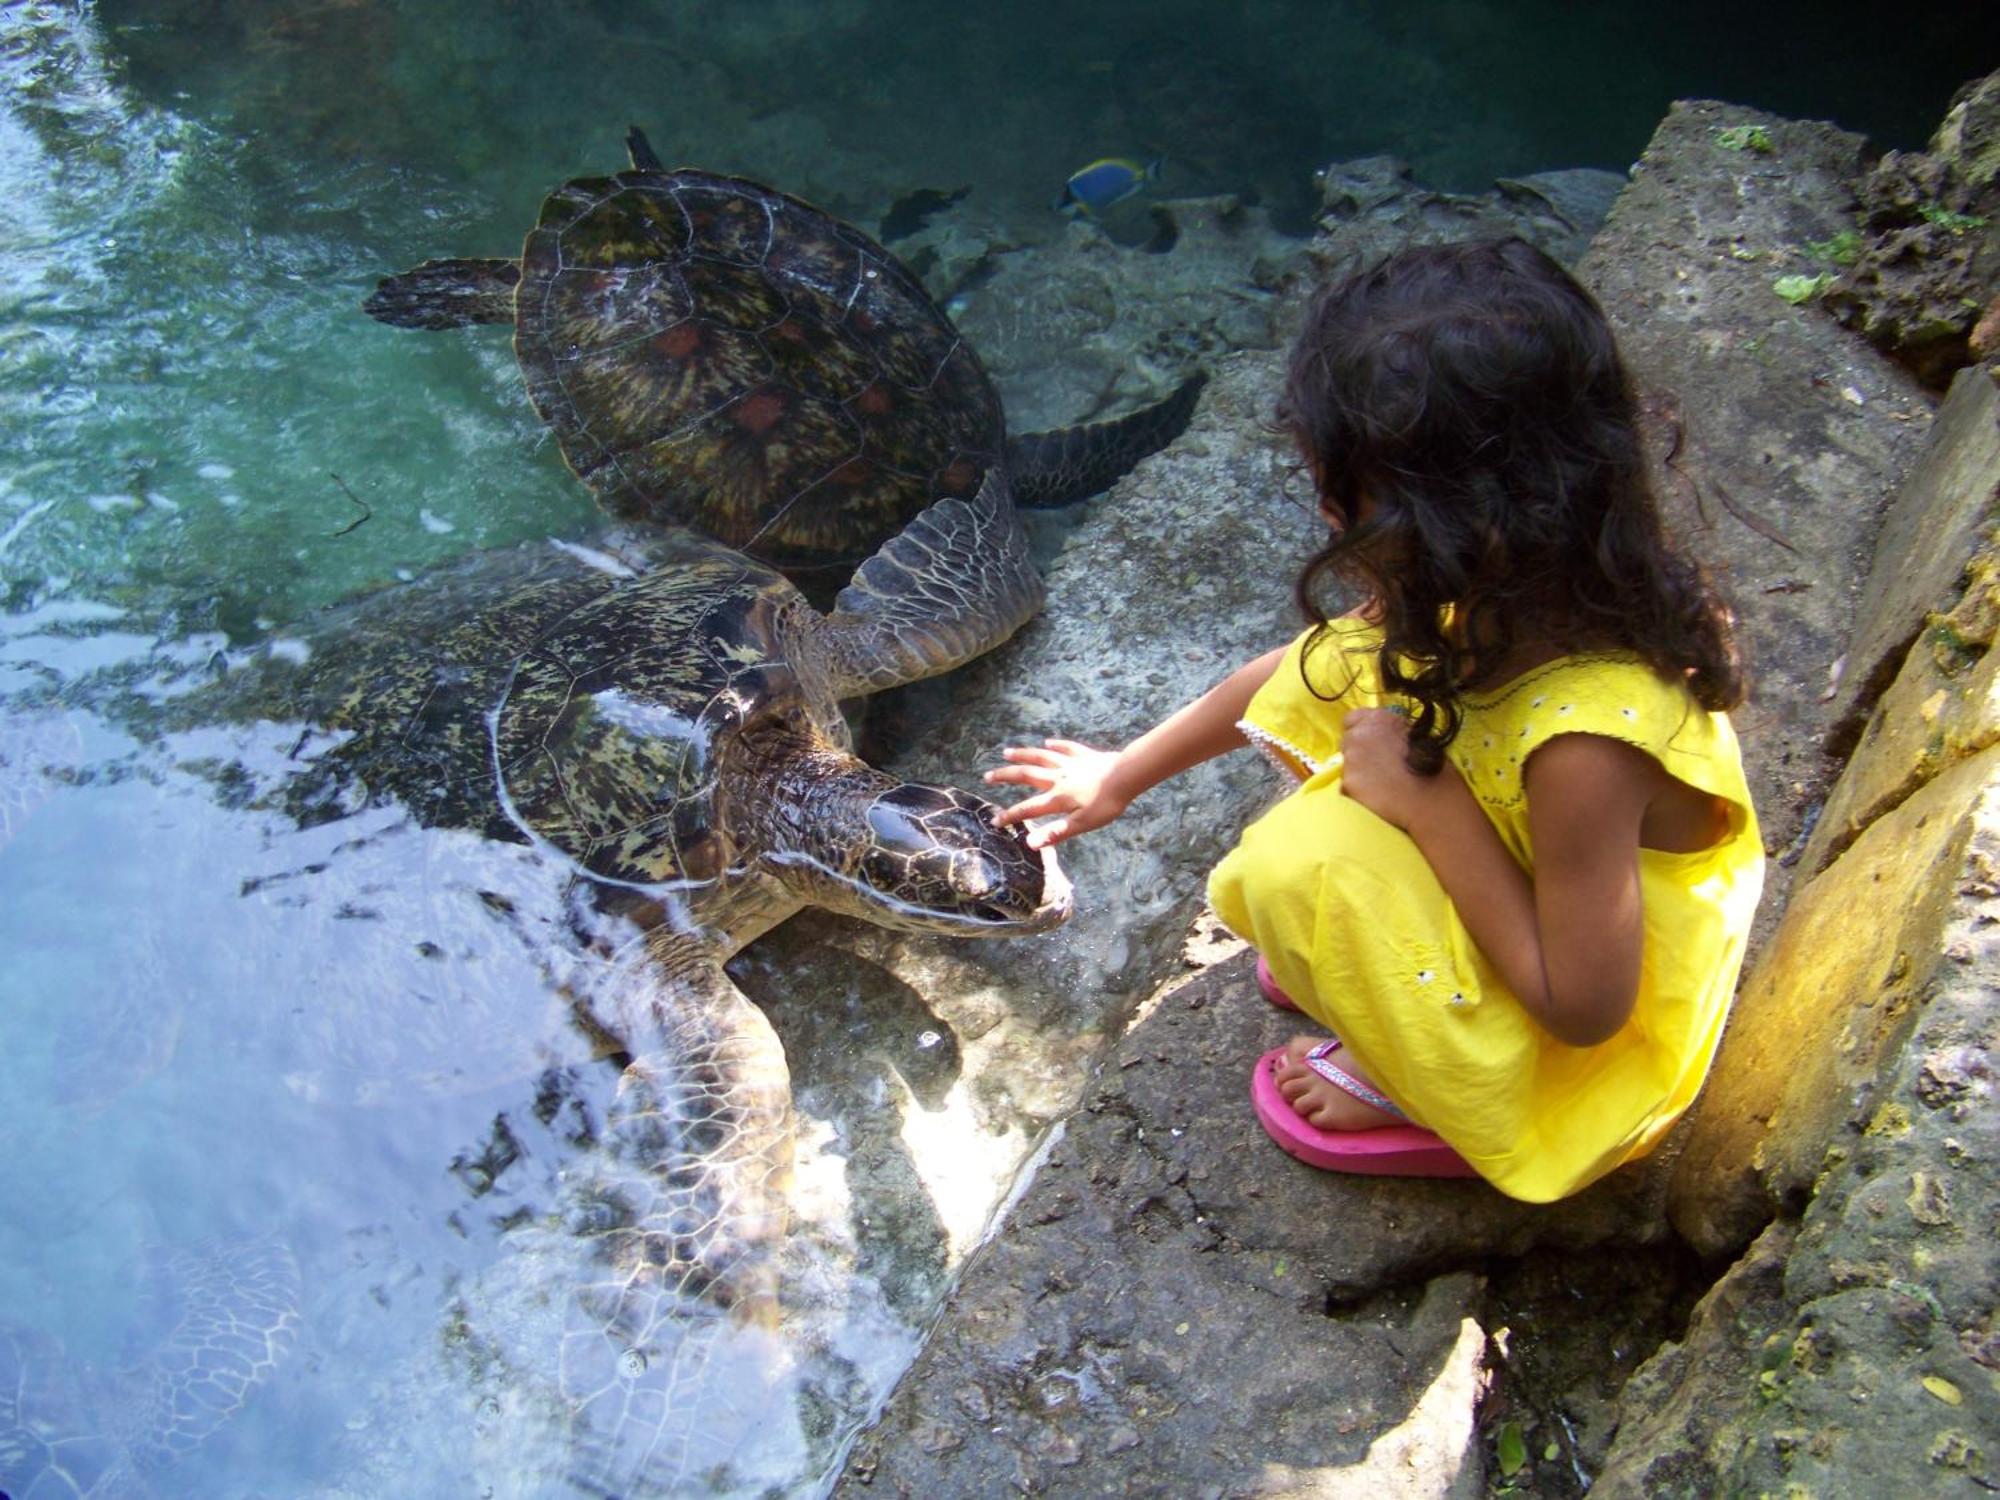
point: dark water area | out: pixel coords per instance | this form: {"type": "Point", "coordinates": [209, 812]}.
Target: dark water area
{"type": "Point", "coordinates": [1246, 98]}
{"type": "Point", "coordinates": [299, 1126]}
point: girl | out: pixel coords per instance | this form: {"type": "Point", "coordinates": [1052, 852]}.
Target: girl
{"type": "Point", "coordinates": [1517, 873]}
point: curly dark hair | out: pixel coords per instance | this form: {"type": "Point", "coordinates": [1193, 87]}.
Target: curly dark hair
{"type": "Point", "coordinates": [1471, 430]}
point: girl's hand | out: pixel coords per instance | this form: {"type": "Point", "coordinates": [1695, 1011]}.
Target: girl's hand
{"type": "Point", "coordinates": [1070, 779]}
{"type": "Point", "coordinates": [1375, 768]}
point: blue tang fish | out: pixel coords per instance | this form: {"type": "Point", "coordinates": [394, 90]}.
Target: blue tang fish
{"type": "Point", "coordinates": [1103, 183]}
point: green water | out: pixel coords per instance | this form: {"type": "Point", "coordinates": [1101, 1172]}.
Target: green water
{"type": "Point", "coordinates": [220, 1029]}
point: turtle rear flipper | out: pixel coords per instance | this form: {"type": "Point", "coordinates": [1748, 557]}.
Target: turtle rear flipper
{"type": "Point", "coordinates": [644, 157]}
{"type": "Point", "coordinates": [230, 1314]}
{"type": "Point", "coordinates": [1072, 463]}
{"type": "Point", "coordinates": [447, 294]}
{"type": "Point", "coordinates": [681, 1221]}
{"type": "Point", "coordinates": [954, 583]}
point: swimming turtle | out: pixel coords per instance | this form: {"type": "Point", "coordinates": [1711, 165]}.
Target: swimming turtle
{"type": "Point", "coordinates": [659, 714]}
{"type": "Point", "coordinates": [218, 1319]}
{"type": "Point", "coordinates": [718, 354]}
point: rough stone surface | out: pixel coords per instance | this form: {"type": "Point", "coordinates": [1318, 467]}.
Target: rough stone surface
{"type": "Point", "coordinates": [1871, 1370]}
{"type": "Point", "coordinates": [1950, 499]}
{"type": "Point", "coordinates": [1827, 1002]}
{"type": "Point", "coordinates": [1794, 433]}
{"type": "Point", "coordinates": [1827, 999]}
{"type": "Point", "coordinates": [1663, 1449]}
{"type": "Point", "coordinates": [1219, 1311]}
{"type": "Point", "coordinates": [1943, 706]}
{"type": "Point", "coordinates": [1923, 264]}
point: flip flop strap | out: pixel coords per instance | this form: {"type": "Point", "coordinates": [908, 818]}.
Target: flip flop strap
{"type": "Point", "coordinates": [1319, 1061]}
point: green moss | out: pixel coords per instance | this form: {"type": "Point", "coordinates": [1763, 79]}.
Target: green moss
{"type": "Point", "coordinates": [1952, 651]}
{"type": "Point", "coordinates": [1801, 289]}
{"type": "Point", "coordinates": [1917, 1293]}
{"type": "Point", "coordinates": [1745, 138]}
{"type": "Point", "coordinates": [1892, 1119]}
{"type": "Point", "coordinates": [1843, 249]}
{"type": "Point", "coordinates": [1944, 218]}
{"type": "Point", "coordinates": [1511, 1449]}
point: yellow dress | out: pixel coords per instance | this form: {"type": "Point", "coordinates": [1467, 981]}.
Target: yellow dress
{"type": "Point", "coordinates": [1357, 929]}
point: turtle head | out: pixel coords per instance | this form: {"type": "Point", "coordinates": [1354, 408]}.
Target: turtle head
{"type": "Point", "coordinates": [930, 858]}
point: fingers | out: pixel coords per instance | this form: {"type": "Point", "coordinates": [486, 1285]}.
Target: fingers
{"type": "Point", "coordinates": [1050, 833]}
{"type": "Point", "coordinates": [1033, 807]}
{"type": "Point", "coordinates": [1021, 776]}
{"type": "Point", "coordinates": [1033, 755]}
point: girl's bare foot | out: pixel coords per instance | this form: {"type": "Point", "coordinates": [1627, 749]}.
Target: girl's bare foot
{"type": "Point", "coordinates": [1322, 1103]}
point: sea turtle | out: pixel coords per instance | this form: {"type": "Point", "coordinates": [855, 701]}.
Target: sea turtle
{"type": "Point", "coordinates": [715, 353]}
{"type": "Point", "coordinates": [217, 1319]}
{"type": "Point", "coordinates": [660, 714]}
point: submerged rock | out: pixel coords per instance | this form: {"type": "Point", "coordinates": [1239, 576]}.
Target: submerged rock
{"type": "Point", "coordinates": [1374, 205]}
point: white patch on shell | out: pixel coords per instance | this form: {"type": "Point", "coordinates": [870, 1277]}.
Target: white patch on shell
{"type": "Point", "coordinates": [642, 717]}
{"type": "Point", "coordinates": [590, 557]}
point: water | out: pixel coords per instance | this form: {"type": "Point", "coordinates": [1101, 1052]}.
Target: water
{"type": "Point", "coordinates": [306, 1107]}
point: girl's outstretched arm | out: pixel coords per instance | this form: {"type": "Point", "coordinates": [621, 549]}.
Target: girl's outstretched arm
{"type": "Point", "coordinates": [1567, 939]}
{"type": "Point", "coordinates": [1087, 788]}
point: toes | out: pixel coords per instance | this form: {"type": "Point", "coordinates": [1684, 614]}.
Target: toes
{"type": "Point", "coordinates": [1297, 1048]}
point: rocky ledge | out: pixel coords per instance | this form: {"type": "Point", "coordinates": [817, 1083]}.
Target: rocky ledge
{"type": "Point", "coordinates": [1797, 1294]}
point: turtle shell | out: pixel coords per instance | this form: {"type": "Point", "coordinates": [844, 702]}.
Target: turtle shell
{"type": "Point", "coordinates": [608, 739]}
{"type": "Point", "coordinates": [712, 352]}
{"type": "Point", "coordinates": [539, 693]}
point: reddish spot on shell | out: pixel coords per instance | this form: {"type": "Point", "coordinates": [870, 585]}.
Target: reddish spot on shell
{"type": "Point", "coordinates": [958, 479]}
{"type": "Point", "coordinates": [863, 320]}
{"type": "Point", "coordinates": [791, 331]}
{"type": "Point", "coordinates": [875, 401]}
{"type": "Point", "coordinates": [678, 342]}
{"type": "Point", "coordinates": [759, 411]}
{"type": "Point", "coordinates": [853, 474]}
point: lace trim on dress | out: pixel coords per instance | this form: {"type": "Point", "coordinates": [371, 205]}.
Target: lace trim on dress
{"type": "Point", "coordinates": [1280, 752]}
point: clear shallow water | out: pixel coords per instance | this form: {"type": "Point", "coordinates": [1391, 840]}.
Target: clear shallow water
{"type": "Point", "coordinates": [247, 1044]}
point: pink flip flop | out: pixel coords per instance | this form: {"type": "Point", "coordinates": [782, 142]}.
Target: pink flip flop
{"type": "Point", "coordinates": [1270, 987]}
{"type": "Point", "coordinates": [1391, 1151]}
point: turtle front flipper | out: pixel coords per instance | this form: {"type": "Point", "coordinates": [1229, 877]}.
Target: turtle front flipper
{"type": "Point", "coordinates": [1073, 463]}
{"type": "Point", "coordinates": [447, 294]}
{"type": "Point", "coordinates": [954, 583]}
{"type": "Point", "coordinates": [681, 1222]}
